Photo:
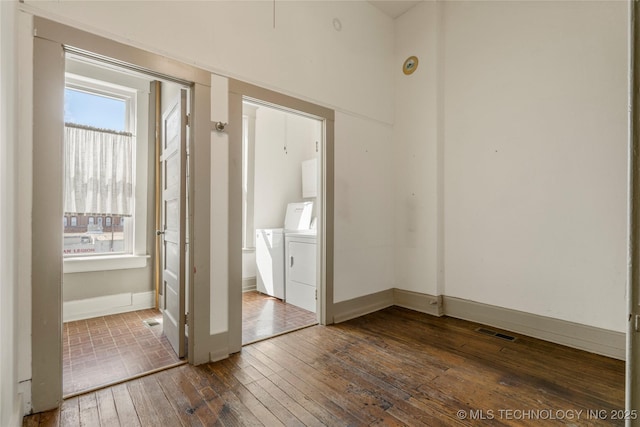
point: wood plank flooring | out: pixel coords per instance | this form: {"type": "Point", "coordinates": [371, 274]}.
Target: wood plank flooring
{"type": "Point", "coordinates": [393, 367]}
{"type": "Point", "coordinates": [264, 316]}
{"type": "Point", "coordinates": [107, 349]}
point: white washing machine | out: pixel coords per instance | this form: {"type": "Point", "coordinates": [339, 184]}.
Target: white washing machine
{"type": "Point", "coordinates": [270, 248]}
{"type": "Point", "coordinates": [300, 270]}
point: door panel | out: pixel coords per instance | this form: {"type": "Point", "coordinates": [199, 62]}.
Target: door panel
{"type": "Point", "coordinates": [173, 161]}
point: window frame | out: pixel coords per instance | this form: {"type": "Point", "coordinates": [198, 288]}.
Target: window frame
{"type": "Point", "coordinates": [134, 91]}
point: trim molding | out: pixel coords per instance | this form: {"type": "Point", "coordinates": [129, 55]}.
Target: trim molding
{"type": "Point", "coordinates": [589, 338]}
{"type": "Point", "coordinates": [106, 305]}
{"type": "Point", "coordinates": [220, 343]}
{"type": "Point", "coordinates": [17, 414]}
{"type": "Point", "coordinates": [249, 284]}
{"type": "Point", "coordinates": [356, 307]}
{"type": "Point", "coordinates": [416, 301]}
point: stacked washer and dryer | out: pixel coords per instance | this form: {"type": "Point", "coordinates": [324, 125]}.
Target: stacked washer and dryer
{"type": "Point", "coordinates": [286, 258]}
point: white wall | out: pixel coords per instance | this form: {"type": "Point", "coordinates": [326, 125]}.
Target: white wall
{"type": "Point", "coordinates": [364, 213]}
{"type": "Point", "coordinates": [304, 56]}
{"type": "Point", "coordinates": [531, 118]}
{"type": "Point", "coordinates": [416, 151]}
{"type": "Point", "coordinates": [536, 160]}
{"type": "Point", "coordinates": [10, 410]}
{"type": "Point", "coordinates": [278, 172]}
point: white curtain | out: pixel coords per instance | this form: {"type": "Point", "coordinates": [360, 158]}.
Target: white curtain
{"type": "Point", "coordinates": [98, 172]}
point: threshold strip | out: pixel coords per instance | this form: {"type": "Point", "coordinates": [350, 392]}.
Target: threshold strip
{"type": "Point", "coordinates": [124, 380]}
{"type": "Point", "coordinates": [281, 333]}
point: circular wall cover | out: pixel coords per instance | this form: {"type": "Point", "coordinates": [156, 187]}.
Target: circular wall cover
{"type": "Point", "coordinates": [410, 65]}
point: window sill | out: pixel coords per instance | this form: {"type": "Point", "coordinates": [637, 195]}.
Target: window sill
{"type": "Point", "coordinates": [104, 263]}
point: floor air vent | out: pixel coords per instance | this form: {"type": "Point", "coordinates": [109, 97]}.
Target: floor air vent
{"type": "Point", "coordinates": [495, 334]}
{"type": "Point", "coordinates": [151, 322]}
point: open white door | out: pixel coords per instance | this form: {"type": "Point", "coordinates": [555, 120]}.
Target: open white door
{"type": "Point", "coordinates": [173, 159]}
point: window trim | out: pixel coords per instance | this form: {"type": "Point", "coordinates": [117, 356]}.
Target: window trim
{"type": "Point", "coordinates": [84, 264]}
{"type": "Point", "coordinates": [135, 92]}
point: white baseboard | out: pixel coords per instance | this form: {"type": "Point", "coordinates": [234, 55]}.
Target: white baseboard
{"type": "Point", "coordinates": [418, 302]}
{"type": "Point", "coordinates": [220, 343]}
{"type": "Point", "coordinates": [24, 391]}
{"type": "Point", "coordinates": [18, 412]}
{"type": "Point", "coordinates": [595, 340]}
{"type": "Point", "coordinates": [350, 309]}
{"type": "Point", "coordinates": [107, 305]}
{"type": "Point", "coordinates": [249, 284]}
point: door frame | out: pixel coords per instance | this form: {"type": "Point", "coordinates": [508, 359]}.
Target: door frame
{"type": "Point", "coordinates": [239, 91]}
{"type": "Point", "coordinates": [50, 41]}
{"type": "Point", "coordinates": [632, 366]}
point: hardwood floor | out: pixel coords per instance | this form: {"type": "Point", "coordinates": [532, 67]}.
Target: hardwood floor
{"type": "Point", "coordinates": [264, 316]}
{"type": "Point", "coordinates": [106, 349]}
{"type": "Point", "coordinates": [393, 367]}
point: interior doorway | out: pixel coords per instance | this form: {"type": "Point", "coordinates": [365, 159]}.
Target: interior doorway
{"type": "Point", "coordinates": [282, 204]}
{"type": "Point", "coordinates": [125, 226]}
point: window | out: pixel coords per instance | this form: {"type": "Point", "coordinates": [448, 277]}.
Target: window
{"type": "Point", "coordinates": [100, 153]}
{"type": "Point", "coordinates": [107, 221]}
{"type": "Point", "coordinates": [65, 221]}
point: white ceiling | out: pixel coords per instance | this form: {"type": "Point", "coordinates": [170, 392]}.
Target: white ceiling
{"type": "Point", "coordinates": [394, 8]}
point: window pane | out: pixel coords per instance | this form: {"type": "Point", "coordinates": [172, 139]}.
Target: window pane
{"type": "Point", "coordinates": [106, 156]}
{"type": "Point", "coordinates": [94, 110]}
{"type": "Point", "coordinates": [85, 237]}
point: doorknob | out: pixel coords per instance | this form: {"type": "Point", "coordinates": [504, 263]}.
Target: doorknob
{"type": "Point", "coordinates": [159, 232]}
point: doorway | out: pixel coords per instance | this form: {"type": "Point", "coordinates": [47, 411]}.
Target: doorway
{"type": "Point", "coordinates": [124, 224]}
{"type": "Point", "coordinates": [281, 207]}
{"type": "Point", "coordinates": [50, 44]}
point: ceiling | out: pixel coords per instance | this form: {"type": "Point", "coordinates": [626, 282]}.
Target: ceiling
{"type": "Point", "coordinates": [394, 8]}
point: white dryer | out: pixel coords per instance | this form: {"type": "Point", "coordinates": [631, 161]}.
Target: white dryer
{"type": "Point", "coordinates": [270, 249]}
{"type": "Point", "coordinates": [300, 270]}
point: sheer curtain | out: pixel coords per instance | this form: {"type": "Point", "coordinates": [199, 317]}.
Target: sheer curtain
{"type": "Point", "coordinates": [98, 171]}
